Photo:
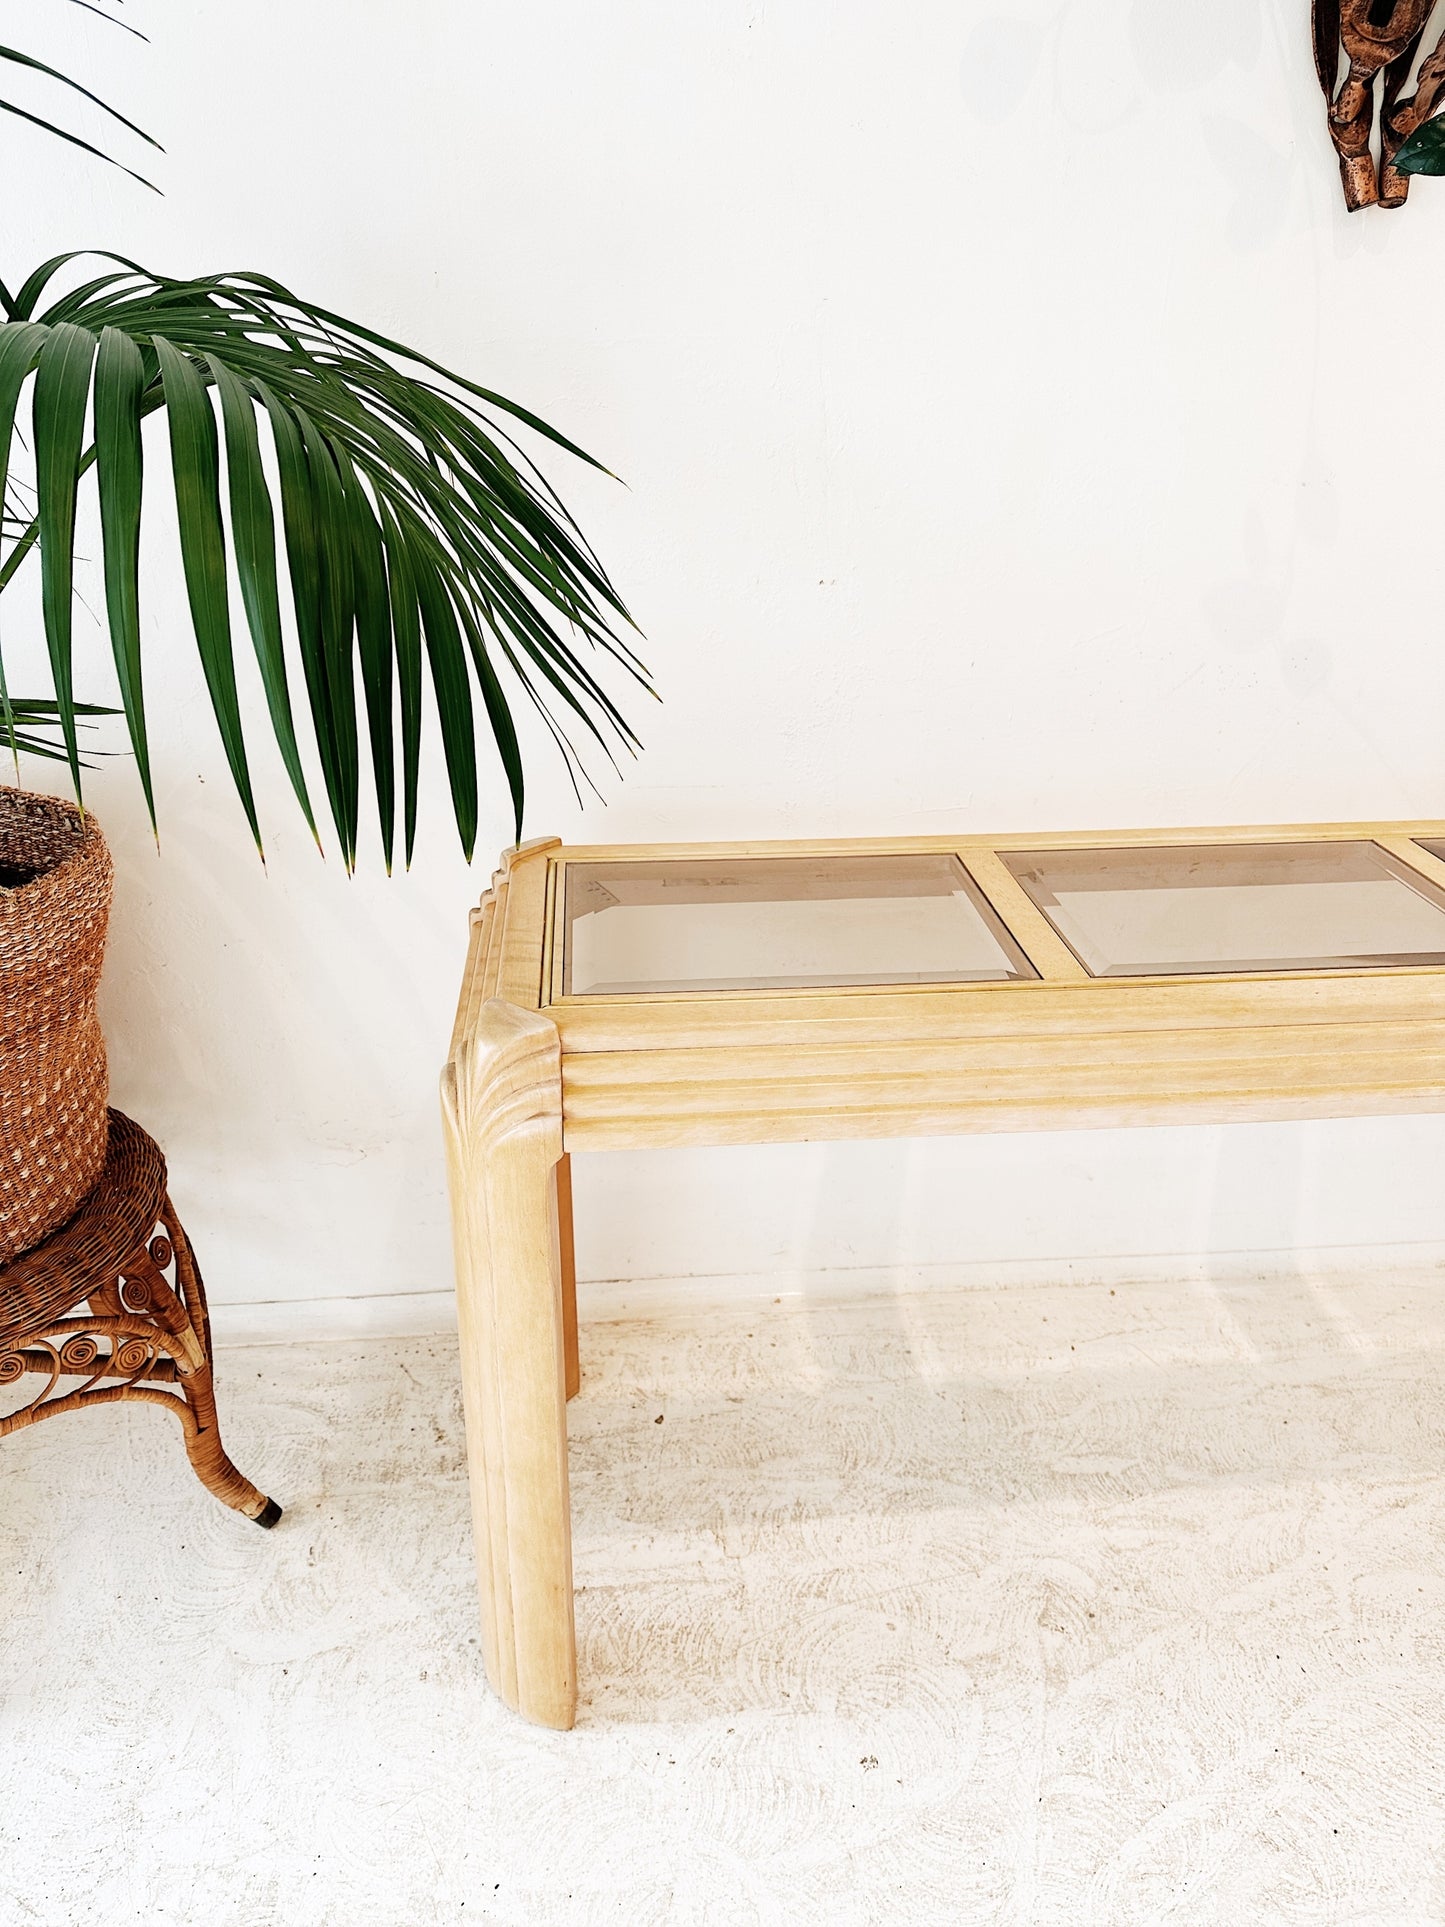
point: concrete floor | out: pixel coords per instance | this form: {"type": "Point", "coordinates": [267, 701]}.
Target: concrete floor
{"type": "Point", "coordinates": [1067, 1606]}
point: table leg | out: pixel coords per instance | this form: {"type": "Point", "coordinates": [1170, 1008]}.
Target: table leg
{"type": "Point", "coordinates": [502, 1104]}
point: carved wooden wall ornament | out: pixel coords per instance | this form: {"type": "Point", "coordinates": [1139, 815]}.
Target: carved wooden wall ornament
{"type": "Point", "coordinates": [1380, 42]}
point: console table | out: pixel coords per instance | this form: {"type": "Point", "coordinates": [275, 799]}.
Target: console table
{"type": "Point", "coordinates": [767, 992]}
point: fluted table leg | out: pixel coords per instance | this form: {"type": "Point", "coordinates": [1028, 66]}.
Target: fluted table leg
{"type": "Point", "coordinates": [502, 1105]}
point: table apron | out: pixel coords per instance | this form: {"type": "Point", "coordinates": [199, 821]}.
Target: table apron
{"type": "Point", "coordinates": [785, 1093]}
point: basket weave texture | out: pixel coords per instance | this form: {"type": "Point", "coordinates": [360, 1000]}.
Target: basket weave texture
{"type": "Point", "coordinates": [53, 1083]}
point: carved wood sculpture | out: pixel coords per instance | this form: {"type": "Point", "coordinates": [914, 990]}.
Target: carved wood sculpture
{"type": "Point", "coordinates": [1379, 38]}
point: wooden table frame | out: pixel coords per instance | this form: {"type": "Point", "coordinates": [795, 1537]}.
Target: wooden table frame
{"type": "Point", "coordinates": [533, 1075]}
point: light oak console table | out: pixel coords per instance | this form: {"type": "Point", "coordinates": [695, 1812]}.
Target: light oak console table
{"type": "Point", "coordinates": [772, 992]}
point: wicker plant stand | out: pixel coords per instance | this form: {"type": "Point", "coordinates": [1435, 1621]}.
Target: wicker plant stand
{"type": "Point", "coordinates": [146, 1327]}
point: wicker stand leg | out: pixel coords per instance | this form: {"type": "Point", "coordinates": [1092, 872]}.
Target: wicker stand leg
{"type": "Point", "coordinates": [136, 1349]}
{"type": "Point", "coordinates": [203, 1435]}
{"type": "Point", "coordinates": [146, 1335]}
{"type": "Point", "coordinates": [208, 1457]}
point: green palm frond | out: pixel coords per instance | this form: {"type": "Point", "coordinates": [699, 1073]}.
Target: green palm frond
{"type": "Point", "coordinates": [28, 62]}
{"type": "Point", "coordinates": [417, 535]}
{"type": "Point", "coordinates": [22, 716]}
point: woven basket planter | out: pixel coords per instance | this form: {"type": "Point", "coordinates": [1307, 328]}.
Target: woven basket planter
{"type": "Point", "coordinates": [55, 884]}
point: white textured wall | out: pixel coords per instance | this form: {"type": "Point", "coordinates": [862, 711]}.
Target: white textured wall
{"type": "Point", "coordinates": [1018, 434]}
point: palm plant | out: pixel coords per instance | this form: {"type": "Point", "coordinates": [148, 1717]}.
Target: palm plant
{"type": "Point", "coordinates": [30, 722]}
{"type": "Point", "coordinates": [420, 542]}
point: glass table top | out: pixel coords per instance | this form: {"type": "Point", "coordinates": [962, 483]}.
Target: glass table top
{"type": "Point", "coordinates": [1434, 844]}
{"type": "Point", "coordinates": [1196, 909]}
{"type": "Point", "coordinates": [772, 923]}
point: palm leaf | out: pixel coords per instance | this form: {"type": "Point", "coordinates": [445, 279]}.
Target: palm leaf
{"type": "Point", "coordinates": [196, 465]}
{"type": "Point", "coordinates": [62, 388]}
{"type": "Point", "coordinates": [24, 715]}
{"type": "Point", "coordinates": [119, 382]}
{"type": "Point", "coordinates": [421, 542]}
{"type": "Point", "coordinates": [17, 59]}
{"type": "Point", "coordinates": [254, 527]}
{"type": "Point", "coordinates": [109, 18]}
{"type": "Point", "coordinates": [373, 641]}
{"type": "Point", "coordinates": [406, 638]}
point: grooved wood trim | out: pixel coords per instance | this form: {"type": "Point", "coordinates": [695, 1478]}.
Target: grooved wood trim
{"type": "Point", "coordinates": [492, 962]}
{"type": "Point", "coordinates": [787, 1092]}
{"type": "Point", "coordinates": [962, 840]}
{"type": "Point", "coordinates": [1068, 1111]}
{"type": "Point", "coordinates": [478, 940]}
{"type": "Point", "coordinates": [927, 1015]}
{"type": "Point", "coordinates": [524, 931]}
{"type": "Point", "coordinates": [694, 1076]}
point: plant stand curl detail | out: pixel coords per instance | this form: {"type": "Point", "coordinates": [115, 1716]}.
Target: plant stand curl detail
{"type": "Point", "coordinates": [145, 1332]}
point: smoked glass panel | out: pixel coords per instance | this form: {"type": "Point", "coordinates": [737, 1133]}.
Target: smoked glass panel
{"type": "Point", "coordinates": [1434, 844]}
{"type": "Point", "coordinates": [774, 923]}
{"type": "Point", "coordinates": [1190, 909]}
